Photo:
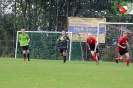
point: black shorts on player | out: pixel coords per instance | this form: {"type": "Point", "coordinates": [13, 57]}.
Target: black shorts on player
{"type": "Point", "coordinates": [25, 47]}
{"type": "Point", "coordinates": [93, 48]}
{"type": "Point", "coordinates": [123, 51]}
{"type": "Point", "coordinates": [63, 50]}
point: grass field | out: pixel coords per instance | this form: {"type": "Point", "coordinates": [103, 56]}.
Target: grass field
{"type": "Point", "coordinates": [15, 73]}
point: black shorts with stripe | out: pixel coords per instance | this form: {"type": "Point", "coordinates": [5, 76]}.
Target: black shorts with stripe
{"type": "Point", "coordinates": [63, 50]}
{"type": "Point", "coordinates": [25, 47]}
{"type": "Point", "coordinates": [93, 48]}
{"type": "Point", "coordinates": [123, 51]}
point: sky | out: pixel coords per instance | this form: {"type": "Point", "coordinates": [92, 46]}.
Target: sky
{"type": "Point", "coordinates": [8, 9]}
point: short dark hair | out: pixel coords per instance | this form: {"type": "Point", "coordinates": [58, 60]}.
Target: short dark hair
{"type": "Point", "coordinates": [64, 30]}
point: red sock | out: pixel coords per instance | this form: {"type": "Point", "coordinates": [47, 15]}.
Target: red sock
{"type": "Point", "coordinates": [118, 59]}
{"type": "Point", "coordinates": [94, 57]}
{"type": "Point", "coordinates": [127, 61]}
{"type": "Point", "coordinates": [24, 59]}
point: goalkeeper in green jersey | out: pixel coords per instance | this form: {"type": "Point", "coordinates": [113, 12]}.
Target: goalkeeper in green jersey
{"type": "Point", "coordinates": [63, 39]}
{"type": "Point", "coordinates": [24, 43]}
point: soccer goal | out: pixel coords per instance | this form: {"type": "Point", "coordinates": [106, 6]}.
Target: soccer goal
{"type": "Point", "coordinates": [108, 49]}
{"type": "Point", "coordinates": [43, 45]}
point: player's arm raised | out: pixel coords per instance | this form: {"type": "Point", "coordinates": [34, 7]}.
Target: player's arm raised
{"type": "Point", "coordinates": [58, 40]}
{"type": "Point", "coordinates": [67, 39]}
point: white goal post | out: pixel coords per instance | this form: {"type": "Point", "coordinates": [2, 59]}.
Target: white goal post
{"type": "Point", "coordinates": [113, 31]}
{"type": "Point", "coordinates": [47, 32]}
{"type": "Point", "coordinates": [111, 23]}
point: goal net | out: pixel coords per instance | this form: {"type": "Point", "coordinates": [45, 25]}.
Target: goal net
{"type": "Point", "coordinates": [108, 50]}
{"type": "Point", "coordinates": [43, 45]}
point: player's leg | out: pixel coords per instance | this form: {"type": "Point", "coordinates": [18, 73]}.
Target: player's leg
{"type": "Point", "coordinates": [97, 54]}
{"type": "Point", "coordinates": [64, 55]}
{"type": "Point", "coordinates": [127, 59]}
{"type": "Point", "coordinates": [94, 56]}
{"type": "Point", "coordinates": [121, 52]}
{"type": "Point", "coordinates": [119, 58]}
{"type": "Point", "coordinates": [61, 52]}
{"type": "Point", "coordinates": [24, 52]}
{"type": "Point", "coordinates": [27, 52]}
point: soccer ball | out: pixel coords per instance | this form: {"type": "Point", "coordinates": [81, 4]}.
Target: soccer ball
{"type": "Point", "coordinates": [62, 38]}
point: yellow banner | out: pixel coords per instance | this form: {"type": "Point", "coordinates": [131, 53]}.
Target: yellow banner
{"type": "Point", "coordinates": [83, 26]}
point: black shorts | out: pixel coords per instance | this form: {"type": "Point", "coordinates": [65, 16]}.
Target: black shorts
{"type": "Point", "coordinates": [63, 50]}
{"type": "Point", "coordinates": [92, 49]}
{"type": "Point", "coordinates": [25, 47]}
{"type": "Point", "coordinates": [123, 51]}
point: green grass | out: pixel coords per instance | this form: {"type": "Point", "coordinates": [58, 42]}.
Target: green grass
{"type": "Point", "coordinates": [15, 73]}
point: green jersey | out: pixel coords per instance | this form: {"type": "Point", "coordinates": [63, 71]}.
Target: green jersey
{"type": "Point", "coordinates": [24, 39]}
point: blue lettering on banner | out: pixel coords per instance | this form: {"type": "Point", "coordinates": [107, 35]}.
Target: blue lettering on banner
{"type": "Point", "coordinates": [79, 29]}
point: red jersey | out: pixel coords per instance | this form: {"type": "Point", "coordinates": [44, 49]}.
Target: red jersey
{"type": "Point", "coordinates": [122, 41]}
{"type": "Point", "coordinates": [91, 41]}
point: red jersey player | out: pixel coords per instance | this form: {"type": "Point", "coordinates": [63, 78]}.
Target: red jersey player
{"type": "Point", "coordinates": [122, 48]}
{"type": "Point", "coordinates": [92, 45]}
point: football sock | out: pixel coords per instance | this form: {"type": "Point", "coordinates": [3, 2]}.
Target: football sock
{"type": "Point", "coordinates": [127, 62]}
{"type": "Point", "coordinates": [24, 56]}
{"type": "Point", "coordinates": [94, 57]}
{"type": "Point", "coordinates": [98, 58]}
{"type": "Point", "coordinates": [64, 58]}
{"type": "Point", "coordinates": [118, 59]}
{"type": "Point", "coordinates": [28, 55]}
